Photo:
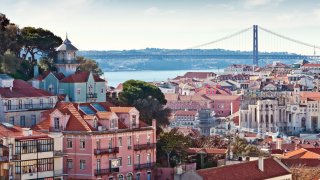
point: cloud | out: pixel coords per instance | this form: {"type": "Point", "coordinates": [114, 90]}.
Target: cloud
{"type": "Point", "coordinates": [316, 12]}
{"type": "Point", "coordinates": [256, 3]}
{"type": "Point", "coordinates": [156, 11]}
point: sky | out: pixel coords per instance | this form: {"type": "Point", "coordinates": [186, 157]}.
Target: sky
{"type": "Point", "coordinates": [138, 24]}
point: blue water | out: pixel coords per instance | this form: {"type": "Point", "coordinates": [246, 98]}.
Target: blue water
{"type": "Point", "coordinates": [114, 78]}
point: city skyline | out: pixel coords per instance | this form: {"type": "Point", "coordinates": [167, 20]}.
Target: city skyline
{"type": "Point", "coordinates": [117, 25]}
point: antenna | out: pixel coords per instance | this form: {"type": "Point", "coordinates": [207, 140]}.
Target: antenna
{"type": "Point", "coordinates": [66, 35]}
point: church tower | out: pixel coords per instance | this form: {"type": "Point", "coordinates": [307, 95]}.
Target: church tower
{"type": "Point", "coordinates": [66, 62]}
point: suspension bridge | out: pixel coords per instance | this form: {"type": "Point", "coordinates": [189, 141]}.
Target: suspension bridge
{"type": "Point", "coordinates": [271, 45]}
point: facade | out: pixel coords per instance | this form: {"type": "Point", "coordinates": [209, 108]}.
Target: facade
{"type": "Point", "coordinates": [185, 118]}
{"type": "Point", "coordinates": [21, 104]}
{"type": "Point", "coordinates": [75, 86]}
{"type": "Point", "coordinates": [103, 142]}
{"type": "Point", "coordinates": [28, 154]}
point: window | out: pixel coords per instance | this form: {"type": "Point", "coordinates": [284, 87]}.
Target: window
{"type": "Point", "coordinates": [56, 123]}
{"type": "Point", "coordinates": [120, 141]}
{"type": "Point", "coordinates": [33, 120]}
{"type": "Point", "coordinates": [82, 164]}
{"type": "Point", "coordinates": [9, 105]}
{"type": "Point", "coordinates": [41, 102]}
{"type": "Point", "coordinates": [138, 176]}
{"type": "Point", "coordinates": [22, 121]}
{"type": "Point", "coordinates": [119, 161]}
{"type": "Point", "coordinates": [98, 144]}
{"type": "Point", "coordinates": [134, 119]}
{"type": "Point", "coordinates": [102, 91]}
{"type": "Point", "coordinates": [90, 88]}
{"type": "Point", "coordinates": [51, 101]}
{"type": "Point", "coordinates": [98, 164]}
{"type": "Point", "coordinates": [120, 177]}
{"type": "Point", "coordinates": [129, 176]}
{"type": "Point", "coordinates": [148, 138]}
{"type": "Point", "coordinates": [69, 143]}
{"type": "Point", "coordinates": [138, 158]}
{"type": "Point", "coordinates": [148, 158]}
{"type": "Point", "coordinates": [78, 91]}
{"type": "Point", "coordinates": [129, 160]}
{"type": "Point", "coordinates": [33, 146]}
{"type": "Point", "coordinates": [129, 141]}
{"type": "Point", "coordinates": [11, 120]}
{"type": "Point", "coordinates": [112, 123]}
{"type": "Point", "coordinates": [69, 163]}
{"type": "Point", "coordinates": [20, 103]}
{"type": "Point", "coordinates": [110, 143]}
{"type": "Point", "coordinates": [82, 144]}
{"type": "Point", "coordinates": [95, 123]}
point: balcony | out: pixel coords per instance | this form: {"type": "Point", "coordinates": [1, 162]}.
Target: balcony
{"type": "Point", "coordinates": [144, 166]}
{"type": "Point", "coordinates": [106, 151]}
{"type": "Point", "coordinates": [16, 157]}
{"type": "Point", "coordinates": [24, 107]}
{"type": "Point", "coordinates": [92, 95]}
{"type": "Point", "coordinates": [101, 172]}
{"type": "Point", "coordinates": [58, 153]}
{"type": "Point", "coordinates": [139, 147]}
{"type": "Point", "coordinates": [4, 158]}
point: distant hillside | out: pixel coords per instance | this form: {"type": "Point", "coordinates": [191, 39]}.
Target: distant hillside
{"type": "Point", "coordinates": [175, 59]}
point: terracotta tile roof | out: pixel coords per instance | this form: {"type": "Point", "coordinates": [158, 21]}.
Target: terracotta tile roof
{"type": "Point", "coordinates": [79, 77]}
{"type": "Point", "coordinates": [301, 162]}
{"type": "Point", "coordinates": [59, 76]}
{"type": "Point", "coordinates": [185, 113]}
{"type": "Point", "coordinates": [171, 97]}
{"type": "Point", "coordinates": [303, 153]}
{"type": "Point", "coordinates": [104, 115]}
{"type": "Point", "coordinates": [311, 65]}
{"type": "Point", "coordinates": [143, 124]}
{"type": "Point", "coordinates": [22, 89]}
{"type": "Point", "coordinates": [16, 131]}
{"type": "Point", "coordinates": [199, 75]}
{"type": "Point", "coordinates": [224, 97]}
{"type": "Point", "coordinates": [121, 109]}
{"type": "Point", "coordinates": [121, 125]}
{"type": "Point", "coordinates": [206, 150]}
{"type": "Point", "coordinates": [245, 171]}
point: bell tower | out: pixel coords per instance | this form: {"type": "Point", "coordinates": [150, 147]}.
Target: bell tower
{"type": "Point", "coordinates": [66, 62]}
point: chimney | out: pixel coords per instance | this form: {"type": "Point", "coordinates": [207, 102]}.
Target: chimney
{"type": "Point", "coordinates": [261, 163]}
{"type": "Point", "coordinates": [26, 132]}
{"type": "Point", "coordinates": [154, 123]}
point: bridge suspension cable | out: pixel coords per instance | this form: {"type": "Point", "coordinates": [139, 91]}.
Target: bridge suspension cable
{"type": "Point", "coordinates": [289, 39]}
{"type": "Point", "coordinates": [221, 39]}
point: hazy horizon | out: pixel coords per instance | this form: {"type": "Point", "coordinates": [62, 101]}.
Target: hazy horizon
{"type": "Point", "coordinates": [140, 24]}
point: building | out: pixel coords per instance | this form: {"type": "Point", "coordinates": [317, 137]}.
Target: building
{"type": "Point", "coordinates": [28, 154]}
{"type": "Point", "coordinates": [269, 168]}
{"type": "Point", "coordinates": [103, 142]}
{"type": "Point", "coordinates": [21, 104]}
{"type": "Point", "coordinates": [75, 86]}
{"type": "Point", "coordinates": [185, 118]}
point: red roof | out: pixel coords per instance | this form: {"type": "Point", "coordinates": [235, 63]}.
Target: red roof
{"type": "Point", "coordinates": [199, 75]}
{"type": "Point", "coordinates": [17, 132]}
{"type": "Point", "coordinates": [59, 76]}
{"type": "Point", "coordinates": [81, 77]}
{"type": "Point", "coordinates": [185, 113]}
{"type": "Point", "coordinates": [245, 171]}
{"type": "Point", "coordinates": [301, 162]}
{"type": "Point", "coordinates": [22, 89]}
{"type": "Point", "coordinates": [311, 65]}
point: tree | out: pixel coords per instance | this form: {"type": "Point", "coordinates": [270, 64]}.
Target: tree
{"type": "Point", "coordinates": [39, 41]}
{"type": "Point", "coordinates": [89, 65]}
{"type": "Point", "coordinates": [148, 99]}
{"type": "Point", "coordinates": [135, 89]}
{"type": "Point", "coordinates": [208, 142]}
{"type": "Point", "coordinates": [46, 64]}
{"type": "Point", "coordinates": [303, 172]}
{"type": "Point", "coordinates": [170, 142]}
{"type": "Point", "coordinates": [8, 36]}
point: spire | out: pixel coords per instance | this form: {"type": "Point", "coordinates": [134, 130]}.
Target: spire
{"type": "Point", "coordinates": [66, 35]}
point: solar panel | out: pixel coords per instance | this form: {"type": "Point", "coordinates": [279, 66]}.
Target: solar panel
{"type": "Point", "coordinates": [98, 107]}
{"type": "Point", "coordinates": [87, 110]}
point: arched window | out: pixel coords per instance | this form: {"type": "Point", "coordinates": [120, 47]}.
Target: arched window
{"type": "Point", "coordinates": [129, 176]}
{"type": "Point", "coordinates": [120, 177]}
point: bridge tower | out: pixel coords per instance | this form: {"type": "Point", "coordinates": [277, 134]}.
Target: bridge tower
{"type": "Point", "coordinates": [255, 45]}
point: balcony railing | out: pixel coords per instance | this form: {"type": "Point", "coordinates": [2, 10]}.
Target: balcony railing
{"type": "Point", "coordinates": [106, 151]}
{"type": "Point", "coordinates": [58, 173]}
{"type": "Point", "coordinates": [4, 158]}
{"type": "Point", "coordinates": [16, 157]}
{"type": "Point", "coordinates": [138, 147]}
{"type": "Point", "coordinates": [92, 95]}
{"type": "Point", "coordinates": [28, 107]}
{"type": "Point", "coordinates": [143, 166]}
{"type": "Point", "coordinates": [100, 172]}
{"type": "Point", "coordinates": [58, 153]}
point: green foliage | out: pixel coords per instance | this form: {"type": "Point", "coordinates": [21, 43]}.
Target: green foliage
{"type": "Point", "coordinates": [148, 99]}
{"type": "Point", "coordinates": [240, 147]}
{"type": "Point", "coordinates": [16, 67]}
{"type": "Point", "coordinates": [38, 41]}
{"type": "Point", "coordinates": [89, 65]}
{"type": "Point", "coordinates": [208, 142]}
{"type": "Point", "coordinates": [8, 36]}
{"type": "Point", "coordinates": [135, 89]}
{"type": "Point", "coordinates": [171, 142]}
{"type": "Point", "coordinates": [46, 64]}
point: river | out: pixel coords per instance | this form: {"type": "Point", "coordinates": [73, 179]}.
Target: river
{"type": "Point", "coordinates": [114, 78]}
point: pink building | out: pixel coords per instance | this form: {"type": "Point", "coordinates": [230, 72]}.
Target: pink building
{"type": "Point", "coordinates": [225, 105]}
{"type": "Point", "coordinates": [103, 142]}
